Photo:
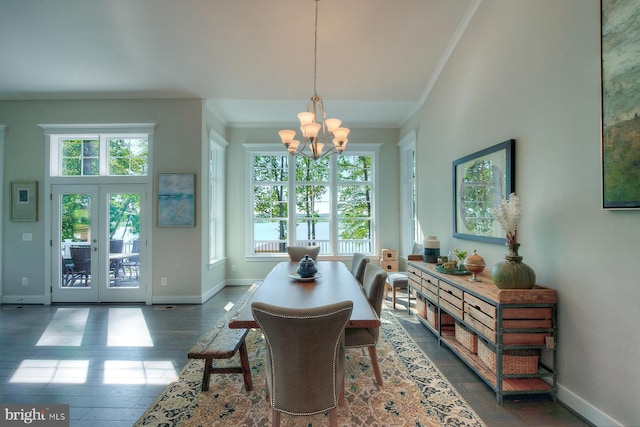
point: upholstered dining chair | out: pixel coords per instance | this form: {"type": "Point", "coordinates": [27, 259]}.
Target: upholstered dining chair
{"type": "Point", "coordinates": [358, 262]}
{"type": "Point", "coordinates": [305, 357]}
{"type": "Point", "coordinates": [373, 284]}
{"type": "Point", "coordinates": [296, 253]}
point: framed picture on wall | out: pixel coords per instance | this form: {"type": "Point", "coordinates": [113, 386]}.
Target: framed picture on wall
{"type": "Point", "coordinates": [480, 182]}
{"type": "Point", "coordinates": [176, 200]}
{"type": "Point", "coordinates": [24, 201]}
{"type": "Point", "coordinates": [620, 138]}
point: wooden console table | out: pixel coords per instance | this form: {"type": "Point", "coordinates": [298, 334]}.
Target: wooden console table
{"type": "Point", "coordinates": [496, 329]}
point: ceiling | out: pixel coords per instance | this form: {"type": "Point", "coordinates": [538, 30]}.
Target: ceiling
{"type": "Point", "coordinates": [251, 60]}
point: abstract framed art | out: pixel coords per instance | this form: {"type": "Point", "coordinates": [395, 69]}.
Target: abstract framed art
{"type": "Point", "coordinates": [24, 201]}
{"type": "Point", "coordinates": [480, 182]}
{"type": "Point", "coordinates": [620, 121]}
{"type": "Point", "coordinates": [176, 200]}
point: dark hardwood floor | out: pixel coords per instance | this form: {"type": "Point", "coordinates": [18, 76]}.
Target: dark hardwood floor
{"type": "Point", "coordinates": [86, 356]}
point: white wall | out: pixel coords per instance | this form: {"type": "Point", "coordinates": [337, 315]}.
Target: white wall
{"type": "Point", "coordinates": [529, 70]}
{"type": "Point", "coordinates": [178, 141]}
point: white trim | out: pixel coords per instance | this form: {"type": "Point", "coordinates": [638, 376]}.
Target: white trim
{"type": "Point", "coordinates": [457, 35]}
{"type": "Point", "coordinates": [585, 409]}
{"type": "Point", "coordinates": [75, 129]}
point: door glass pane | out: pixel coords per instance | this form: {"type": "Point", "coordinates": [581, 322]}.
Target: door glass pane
{"type": "Point", "coordinates": [124, 240]}
{"type": "Point", "coordinates": [75, 215]}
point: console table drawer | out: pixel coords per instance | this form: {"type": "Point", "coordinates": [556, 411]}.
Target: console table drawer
{"type": "Point", "coordinates": [430, 288]}
{"type": "Point", "coordinates": [451, 299]}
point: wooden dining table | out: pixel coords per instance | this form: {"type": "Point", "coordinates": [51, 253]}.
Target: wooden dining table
{"type": "Point", "coordinates": [335, 284]}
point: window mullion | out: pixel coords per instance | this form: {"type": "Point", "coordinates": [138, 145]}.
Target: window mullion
{"type": "Point", "coordinates": [334, 205]}
{"type": "Point", "coordinates": [292, 183]}
{"type": "Point", "coordinates": [104, 156]}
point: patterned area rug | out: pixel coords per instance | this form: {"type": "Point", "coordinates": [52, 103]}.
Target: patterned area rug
{"type": "Point", "coordinates": [415, 392]}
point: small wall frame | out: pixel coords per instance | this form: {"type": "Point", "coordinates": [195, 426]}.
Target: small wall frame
{"type": "Point", "coordinates": [24, 200]}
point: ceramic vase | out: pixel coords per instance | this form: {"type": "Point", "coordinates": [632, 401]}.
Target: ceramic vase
{"type": "Point", "coordinates": [512, 273]}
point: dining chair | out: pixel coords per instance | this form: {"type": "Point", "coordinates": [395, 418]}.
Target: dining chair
{"type": "Point", "coordinates": [81, 258]}
{"type": "Point", "coordinates": [132, 263]}
{"type": "Point", "coordinates": [358, 262]}
{"type": "Point", "coordinates": [115, 265]}
{"type": "Point", "coordinates": [304, 367]}
{"type": "Point", "coordinates": [373, 284]}
{"type": "Point", "coordinates": [296, 253]}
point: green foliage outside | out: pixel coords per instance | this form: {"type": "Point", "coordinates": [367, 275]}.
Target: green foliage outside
{"type": "Point", "coordinates": [313, 178]}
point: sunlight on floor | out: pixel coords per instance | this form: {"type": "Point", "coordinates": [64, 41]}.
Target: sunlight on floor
{"type": "Point", "coordinates": [128, 328]}
{"type": "Point", "coordinates": [159, 372]}
{"type": "Point", "coordinates": [51, 371]}
{"type": "Point", "coordinates": [66, 328]}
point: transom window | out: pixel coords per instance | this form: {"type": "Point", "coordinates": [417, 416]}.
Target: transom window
{"type": "Point", "coordinates": [100, 155]}
{"type": "Point", "coordinates": [327, 202]}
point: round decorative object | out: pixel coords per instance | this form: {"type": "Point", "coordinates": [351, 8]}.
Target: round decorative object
{"type": "Point", "coordinates": [307, 268]}
{"type": "Point", "coordinates": [512, 273]}
{"type": "Point", "coordinates": [475, 264]}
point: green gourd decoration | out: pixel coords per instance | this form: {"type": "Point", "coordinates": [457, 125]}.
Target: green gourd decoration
{"type": "Point", "coordinates": [512, 273]}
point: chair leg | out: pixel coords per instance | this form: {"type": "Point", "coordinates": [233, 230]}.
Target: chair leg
{"type": "Point", "coordinates": [333, 417]}
{"type": "Point", "coordinates": [246, 369]}
{"type": "Point", "coordinates": [394, 297]}
{"type": "Point", "coordinates": [275, 415]}
{"type": "Point", "coordinates": [373, 353]}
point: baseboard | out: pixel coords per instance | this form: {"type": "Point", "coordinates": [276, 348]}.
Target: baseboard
{"type": "Point", "coordinates": [241, 282]}
{"type": "Point", "coordinates": [23, 299]}
{"type": "Point", "coordinates": [585, 409]}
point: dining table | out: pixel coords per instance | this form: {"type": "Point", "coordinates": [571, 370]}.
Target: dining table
{"type": "Point", "coordinates": [332, 283]}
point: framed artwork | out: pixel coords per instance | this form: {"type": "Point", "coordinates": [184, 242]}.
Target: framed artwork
{"type": "Point", "coordinates": [620, 127]}
{"type": "Point", "coordinates": [176, 200]}
{"type": "Point", "coordinates": [480, 182]}
{"type": "Point", "coordinates": [24, 201]}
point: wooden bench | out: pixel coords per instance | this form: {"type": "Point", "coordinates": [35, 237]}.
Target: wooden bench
{"type": "Point", "coordinates": [221, 342]}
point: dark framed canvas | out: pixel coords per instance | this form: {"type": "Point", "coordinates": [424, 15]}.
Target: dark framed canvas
{"type": "Point", "coordinates": [24, 201]}
{"type": "Point", "coordinates": [620, 138]}
{"type": "Point", "coordinates": [480, 182]}
{"type": "Point", "coordinates": [176, 200]}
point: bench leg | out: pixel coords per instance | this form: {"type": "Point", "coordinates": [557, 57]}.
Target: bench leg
{"type": "Point", "coordinates": [246, 368]}
{"type": "Point", "coordinates": [394, 297]}
{"type": "Point", "coordinates": [206, 376]}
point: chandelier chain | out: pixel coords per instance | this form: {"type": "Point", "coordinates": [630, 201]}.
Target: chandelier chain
{"type": "Point", "coordinates": [315, 52]}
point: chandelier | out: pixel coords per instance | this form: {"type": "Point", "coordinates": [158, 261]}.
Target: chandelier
{"type": "Point", "coordinates": [321, 135]}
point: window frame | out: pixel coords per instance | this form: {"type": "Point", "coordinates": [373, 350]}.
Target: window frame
{"type": "Point", "coordinates": [251, 150]}
{"type": "Point", "coordinates": [409, 227]}
{"type": "Point", "coordinates": [216, 218]}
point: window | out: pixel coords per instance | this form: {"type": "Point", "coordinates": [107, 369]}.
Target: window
{"type": "Point", "coordinates": [327, 202]}
{"type": "Point", "coordinates": [408, 194]}
{"type": "Point", "coordinates": [217, 147]}
{"type": "Point", "coordinates": [98, 153]}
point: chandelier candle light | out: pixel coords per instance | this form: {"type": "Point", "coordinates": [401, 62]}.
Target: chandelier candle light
{"type": "Point", "coordinates": [323, 136]}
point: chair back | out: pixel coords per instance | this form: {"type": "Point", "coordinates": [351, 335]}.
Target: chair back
{"type": "Point", "coordinates": [358, 262]}
{"type": "Point", "coordinates": [81, 257]}
{"type": "Point", "coordinates": [115, 246]}
{"type": "Point", "coordinates": [135, 246]}
{"type": "Point", "coordinates": [296, 253]}
{"type": "Point", "coordinates": [373, 284]}
{"type": "Point", "coordinates": [305, 355]}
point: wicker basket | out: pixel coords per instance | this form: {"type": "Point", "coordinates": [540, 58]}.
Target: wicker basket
{"type": "Point", "coordinates": [432, 316]}
{"type": "Point", "coordinates": [467, 338]}
{"type": "Point", "coordinates": [513, 361]}
{"type": "Point", "coordinates": [421, 306]}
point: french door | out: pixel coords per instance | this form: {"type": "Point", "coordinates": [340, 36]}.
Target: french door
{"type": "Point", "coordinates": [98, 236]}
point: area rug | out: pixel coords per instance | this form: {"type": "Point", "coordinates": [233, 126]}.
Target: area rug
{"type": "Point", "coordinates": [415, 393]}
